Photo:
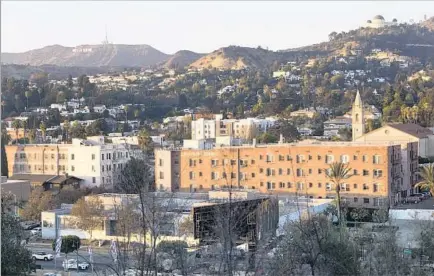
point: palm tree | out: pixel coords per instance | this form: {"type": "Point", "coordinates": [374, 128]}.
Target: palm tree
{"type": "Point", "coordinates": [16, 124]}
{"type": "Point", "coordinates": [338, 173]}
{"type": "Point", "coordinates": [27, 94]}
{"type": "Point", "coordinates": [145, 141]}
{"type": "Point", "coordinates": [66, 127]}
{"type": "Point", "coordinates": [24, 125]}
{"type": "Point", "coordinates": [43, 128]}
{"type": "Point", "coordinates": [40, 97]}
{"type": "Point", "coordinates": [427, 175]}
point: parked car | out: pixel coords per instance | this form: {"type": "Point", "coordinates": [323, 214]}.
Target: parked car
{"type": "Point", "coordinates": [36, 231]}
{"type": "Point", "coordinates": [72, 264]}
{"type": "Point", "coordinates": [412, 199]}
{"type": "Point", "coordinates": [42, 256]}
{"type": "Point", "coordinates": [420, 195]}
{"type": "Point", "coordinates": [427, 194]}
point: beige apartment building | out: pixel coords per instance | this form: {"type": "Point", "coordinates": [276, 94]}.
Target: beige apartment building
{"type": "Point", "coordinates": [378, 173]}
{"type": "Point", "coordinates": [94, 161]}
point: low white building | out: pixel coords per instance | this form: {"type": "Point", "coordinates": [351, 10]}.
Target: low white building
{"type": "Point", "coordinates": [99, 108]}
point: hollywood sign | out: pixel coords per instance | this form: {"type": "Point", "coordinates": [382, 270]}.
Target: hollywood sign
{"type": "Point", "coordinates": [82, 50]}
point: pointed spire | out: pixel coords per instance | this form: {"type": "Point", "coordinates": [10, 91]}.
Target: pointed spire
{"type": "Point", "coordinates": [358, 101]}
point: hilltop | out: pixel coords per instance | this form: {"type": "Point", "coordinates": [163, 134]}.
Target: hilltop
{"type": "Point", "coordinates": [236, 57]}
{"type": "Point", "coordinates": [182, 59]}
{"type": "Point", "coordinates": [89, 56]}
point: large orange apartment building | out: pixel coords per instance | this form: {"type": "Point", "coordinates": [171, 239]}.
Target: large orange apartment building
{"type": "Point", "coordinates": [380, 172]}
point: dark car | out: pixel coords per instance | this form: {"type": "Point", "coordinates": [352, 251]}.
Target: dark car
{"type": "Point", "coordinates": [420, 195]}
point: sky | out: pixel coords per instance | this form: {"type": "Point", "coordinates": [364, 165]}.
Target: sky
{"type": "Point", "coordinates": [197, 26]}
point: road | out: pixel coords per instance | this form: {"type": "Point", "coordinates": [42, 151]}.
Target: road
{"type": "Point", "coordinates": [101, 257]}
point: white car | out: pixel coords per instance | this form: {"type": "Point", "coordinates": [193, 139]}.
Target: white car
{"type": "Point", "coordinates": [36, 231]}
{"type": "Point", "coordinates": [42, 256]}
{"type": "Point", "coordinates": [72, 264]}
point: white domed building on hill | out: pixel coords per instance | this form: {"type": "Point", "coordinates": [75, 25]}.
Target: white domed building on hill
{"type": "Point", "coordinates": [379, 22]}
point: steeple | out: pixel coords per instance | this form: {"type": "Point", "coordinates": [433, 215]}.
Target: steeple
{"type": "Point", "coordinates": [358, 118]}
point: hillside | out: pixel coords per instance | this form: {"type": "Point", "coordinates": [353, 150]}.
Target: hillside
{"type": "Point", "coordinates": [182, 59]}
{"type": "Point", "coordinates": [56, 72]}
{"type": "Point", "coordinates": [415, 40]}
{"type": "Point", "coordinates": [235, 57]}
{"type": "Point", "coordinates": [89, 55]}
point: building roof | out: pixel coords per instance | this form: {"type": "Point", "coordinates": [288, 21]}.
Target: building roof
{"type": "Point", "coordinates": [61, 178]}
{"type": "Point", "coordinates": [33, 177]}
{"type": "Point", "coordinates": [412, 129]}
{"type": "Point", "coordinates": [380, 17]}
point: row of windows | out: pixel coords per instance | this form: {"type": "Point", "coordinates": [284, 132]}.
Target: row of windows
{"type": "Point", "coordinates": [62, 156]}
{"type": "Point", "coordinates": [376, 187]}
{"type": "Point", "coordinates": [376, 159]}
{"type": "Point", "coordinates": [272, 172]}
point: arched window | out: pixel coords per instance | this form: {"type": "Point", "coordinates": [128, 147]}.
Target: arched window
{"type": "Point", "coordinates": [357, 117]}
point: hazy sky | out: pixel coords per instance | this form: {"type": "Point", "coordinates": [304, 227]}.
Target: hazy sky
{"type": "Point", "coordinates": [197, 26]}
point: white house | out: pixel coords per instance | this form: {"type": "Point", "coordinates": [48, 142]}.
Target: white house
{"type": "Point", "coordinates": [99, 108]}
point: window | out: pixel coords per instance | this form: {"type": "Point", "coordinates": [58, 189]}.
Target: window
{"type": "Point", "coordinates": [288, 158]}
{"type": "Point", "coordinates": [72, 156]}
{"type": "Point", "coordinates": [328, 187]}
{"type": "Point", "coordinates": [319, 171]}
{"type": "Point", "coordinates": [300, 158]}
{"type": "Point", "coordinates": [102, 156]}
{"type": "Point", "coordinates": [378, 173]}
{"type": "Point", "coordinates": [253, 175]}
{"type": "Point", "coordinates": [93, 156]}
{"type": "Point", "coordinates": [271, 185]}
{"type": "Point", "coordinates": [319, 185]}
{"type": "Point", "coordinates": [200, 173]}
{"type": "Point", "coordinates": [233, 175]}
{"type": "Point", "coordinates": [355, 158]}
{"type": "Point", "coordinates": [93, 168]}
{"type": "Point", "coordinates": [310, 171]}
{"type": "Point", "coordinates": [345, 187]}
{"type": "Point", "coordinates": [378, 201]}
{"type": "Point", "coordinates": [160, 162]}
{"type": "Point", "coordinates": [102, 168]}
{"type": "Point", "coordinates": [300, 186]}
{"type": "Point", "coordinates": [345, 159]}
{"type": "Point", "coordinates": [309, 157]}
{"type": "Point", "coordinates": [329, 159]}
{"type": "Point", "coordinates": [261, 170]}
{"type": "Point", "coordinates": [376, 187]}
{"type": "Point", "coordinates": [93, 179]}
{"type": "Point", "coordinates": [252, 162]}
{"type": "Point", "coordinates": [270, 158]}
{"type": "Point", "coordinates": [310, 185]}
{"type": "Point", "coordinates": [365, 186]}
{"type": "Point", "coordinates": [376, 159]}
{"type": "Point", "coordinates": [243, 163]}
{"type": "Point", "coordinates": [109, 156]}
{"type": "Point", "coordinates": [365, 172]}
{"type": "Point", "coordinates": [319, 157]}
{"type": "Point", "coordinates": [214, 175]}
{"type": "Point", "coordinates": [233, 162]}
{"type": "Point", "coordinates": [280, 171]}
{"type": "Point", "coordinates": [260, 157]}
{"type": "Point", "coordinates": [289, 185]}
{"type": "Point", "coordinates": [281, 185]}
{"type": "Point", "coordinates": [281, 157]}
{"type": "Point", "coordinates": [52, 156]}
{"type": "Point", "coordinates": [214, 162]}
{"type": "Point", "coordinates": [355, 172]}
{"type": "Point", "coordinates": [366, 200]}
{"type": "Point", "coordinates": [354, 186]}
{"type": "Point", "coordinates": [365, 158]}
{"type": "Point", "coordinates": [356, 199]}
{"type": "Point", "coordinates": [288, 171]}
{"type": "Point", "coordinates": [300, 172]}
{"type": "Point", "coordinates": [261, 184]}
{"type": "Point", "coordinates": [72, 168]}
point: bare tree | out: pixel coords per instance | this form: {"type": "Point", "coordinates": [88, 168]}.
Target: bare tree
{"type": "Point", "coordinates": [87, 214]}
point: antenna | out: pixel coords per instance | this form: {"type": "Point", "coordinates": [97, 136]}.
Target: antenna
{"type": "Point", "coordinates": [105, 42]}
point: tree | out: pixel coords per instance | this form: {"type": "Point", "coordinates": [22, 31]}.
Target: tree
{"type": "Point", "coordinates": [338, 172]}
{"type": "Point", "coordinates": [66, 128]}
{"type": "Point", "coordinates": [28, 94]}
{"type": "Point", "coordinates": [70, 244]}
{"type": "Point", "coordinates": [287, 129]}
{"type": "Point", "coordinates": [24, 125]}
{"type": "Point", "coordinates": [16, 258]}
{"type": "Point", "coordinates": [175, 251]}
{"type": "Point", "coordinates": [39, 201]}
{"type": "Point", "coordinates": [267, 138]}
{"type": "Point", "coordinates": [427, 175]}
{"type": "Point", "coordinates": [135, 177]}
{"type": "Point", "coordinates": [87, 214]}
{"type": "Point", "coordinates": [145, 141]}
{"type": "Point", "coordinates": [16, 124]}
{"type": "Point", "coordinates": [4, 160]}
{"type": "Point", "coordinates": [43, 129]}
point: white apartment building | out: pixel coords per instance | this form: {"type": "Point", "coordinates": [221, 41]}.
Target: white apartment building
{"type": "Point", "coordinates": [94, 161]}
{"type": "Point", "coordinates": [203, 129]}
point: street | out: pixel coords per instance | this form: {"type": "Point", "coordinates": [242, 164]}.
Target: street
{"type": "Point", "coordinates": [101, 257]}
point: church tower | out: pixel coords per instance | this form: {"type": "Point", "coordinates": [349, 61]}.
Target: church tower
{"type": "Point", "coordinates": [358, 122]}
